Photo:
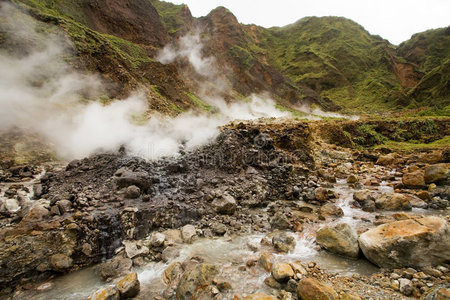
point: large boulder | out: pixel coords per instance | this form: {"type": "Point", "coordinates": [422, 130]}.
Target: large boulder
{"type": "Point", "coordinates": [312, 289]}
{"type": "Point", "coordinates": [129, 286]}
{"type": "Point", "coordinates": [340, 239]}
{"type": "Point", "coordinates": [408, 243]}
{"type": "Point", "coordinates": [414, 179]}
{"type": "Point", "coordinates": [437, 173]}
{"type": "Point", "coordinates": [194, 280]}
{"type": "Point", "coordinates": [224, 204]}
{"type": "Point", "coordinates": [393, 201]}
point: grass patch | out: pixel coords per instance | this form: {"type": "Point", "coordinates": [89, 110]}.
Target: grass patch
{"type": "Point", "coordinates": [203, 105]}
{"type": "Point", "coordinates": [408, 146]}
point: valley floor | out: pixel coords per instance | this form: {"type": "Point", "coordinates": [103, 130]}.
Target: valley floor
{"type": "Point", "coordinates": [271, 209]}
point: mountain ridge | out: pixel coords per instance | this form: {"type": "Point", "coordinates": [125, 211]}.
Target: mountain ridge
{"type": "Point", "coordinates": [331, 62]}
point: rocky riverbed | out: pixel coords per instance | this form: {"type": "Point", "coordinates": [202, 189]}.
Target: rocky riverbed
{"type": "Point", "coordinates": [266, 211]}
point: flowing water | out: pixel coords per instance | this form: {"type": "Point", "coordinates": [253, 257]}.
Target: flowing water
{"type": "Point", "coordinates": [232, 254]}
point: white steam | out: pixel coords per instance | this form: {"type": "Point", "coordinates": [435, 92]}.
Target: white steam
{"type": "Point", "coordinates": [189, 47]}
{"type": "Point", "coordinates": [41, 93]}
{"type": "Point", "coordinates": [317, 114]}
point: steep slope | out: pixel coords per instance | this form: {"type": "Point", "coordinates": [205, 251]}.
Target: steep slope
{"type": "Point", "coordinates": [125, 66]}
{"type": "Point", "coordinates": [339, 59]}
{"type": "Point", "coordinates": [235, 47]}
{"type": "Point", "coordinates": [329, 61]}
{"type": "Point", "coordinates": [429, 51]}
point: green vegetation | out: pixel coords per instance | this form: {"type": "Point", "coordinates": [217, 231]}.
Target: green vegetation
{"type": "Point", "coordinates": [369, 136]}
{"type": "Point", "coordinates": [337, 58]}
{"type": "Point", "coordinates": [172, 15]}
{"type": "Point", "coordinates": [129, 51]}
{"type": "Point", "coordinates": [242, 56]}
{"type": "Point", "coordinates": [408, 146]}
{"type": "Point", "coordinates": [334, 57]}
{"type": "Point", "coordinates": [201, 104]}
{"type": "Point", "coordinates": [427, 49]}
{"type": "Point", "coordinates": [87, 41]}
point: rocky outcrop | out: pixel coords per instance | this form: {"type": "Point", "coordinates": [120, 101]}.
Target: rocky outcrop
{"type": "Point", "coordinates": [340, 239]}
{"type": "Point", "coordinates": [413, 242]}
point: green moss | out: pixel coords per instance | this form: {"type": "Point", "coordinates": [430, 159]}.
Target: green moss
{"type": "Point", "coordinates": [408, 146]}
{"type": "Point", "coordinates": [368, 135]}
{"type": "Point", "coordinates": [242, 56]}
{"type": "Point", "coordinates": [171, 15]}
{"type": "Point", "coordinates": [129, 51]}
{"type": "Point", "coordinates": [203, 105]}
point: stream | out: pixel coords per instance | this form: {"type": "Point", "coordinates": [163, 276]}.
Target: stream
{"type": "Point", "coordinates": [232, 254]}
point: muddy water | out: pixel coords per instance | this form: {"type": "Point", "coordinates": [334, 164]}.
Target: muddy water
{"type": "Point", "coordinates": [232, 255]}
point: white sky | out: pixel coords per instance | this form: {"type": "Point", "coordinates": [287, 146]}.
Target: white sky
{"type": "Point", "coordinates": [395, 20]}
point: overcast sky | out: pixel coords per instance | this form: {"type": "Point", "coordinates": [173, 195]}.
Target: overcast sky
{"type": "Point", "coordinates": [395, 20]}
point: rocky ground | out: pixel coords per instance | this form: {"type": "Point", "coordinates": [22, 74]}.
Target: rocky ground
{"type": "Point", "coordinates": [282, 180]}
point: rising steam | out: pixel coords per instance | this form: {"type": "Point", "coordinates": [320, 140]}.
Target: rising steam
{"type": "Point", "coordinates": [41, 93]}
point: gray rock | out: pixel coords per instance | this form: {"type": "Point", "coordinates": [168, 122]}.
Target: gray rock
{"type": "Point", "coordinates": [283, 242]}
{"type": "Point", "coordinates": [132, 192]}
{"type": "Point", "coordinates": [116, 267]}
{"type": "Point", "coordinates": [225, 204]}
{"type": "Point", "coordinates": [280, 221]}
{"type": "Point", "coordinates": [169, 253]}
{"type": "Point", "coordinates": [135, 248]}
{"type": "Point", "coordinates": [124, 178]}
{"type": "Point", "coordinates": [64, 206]}
{"type": "Point", "coordinates": [157, 239]}
{"type": "Point", "coordinates": [405, 286]}
{"type": "Point", "coordinates": [437, 173]}
{"type": "Point", "coordinates": [219, 228]}
{"type": "Point", "coordinates": [188, 233]}
{"type": "Point", "coordinates": [340, 239]}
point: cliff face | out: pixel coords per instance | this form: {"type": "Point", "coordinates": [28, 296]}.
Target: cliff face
{"type": "Point", "coordinates": [330, 61]}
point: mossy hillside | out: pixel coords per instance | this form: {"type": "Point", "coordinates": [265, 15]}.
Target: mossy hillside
{"type": "Point", "coordinates": [427, 49]}
{"type": "Point", "coordinates": [374, 133]}
{"type": "Point", "coordinates": [172, 15]}
{"type": "Point", "coordinates": [433, 89]}
{"type": "Point", "coordinates": [337, 58]}
{"type": "Point", "coordinates": [128, 65]}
